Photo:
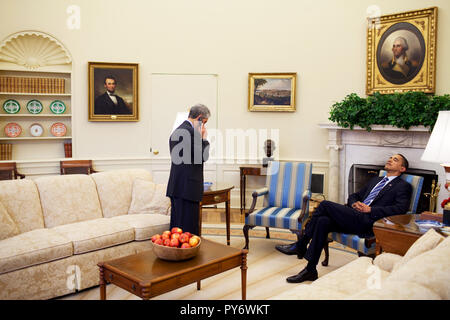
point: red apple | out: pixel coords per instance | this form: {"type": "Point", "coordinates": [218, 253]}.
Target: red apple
{"type": "Point", "coordinates": [156, 237]}
{"type": "Point", "coordinates": [174, 243]}
{"type": "Point", "coordinates": [188, 234]}
{"type": "Point", "coordinates": [193, 241]}
{"type": "Point", "coordinates": [167, 232]}
{"type": "Point", "coordinates": [166, 242]}
{"type": "Point", "coordinates": [176, 230]}
{"type": "Point", "coordinates": [185, 245]}
{"type": "Point", "coordinates": [165, 237]}
{"type": "Point", "coordinates": [159, 241]}
{"type": "Point", "coordinates": [184, 238]}
{"type": "Point", "coordinates": [175, 236]}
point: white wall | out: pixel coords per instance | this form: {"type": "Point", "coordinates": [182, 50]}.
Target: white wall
{"type": "Point", "coordinates": [323, 41]}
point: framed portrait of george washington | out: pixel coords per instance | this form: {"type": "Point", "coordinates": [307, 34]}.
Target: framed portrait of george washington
{"type": "Point", "coordinates": [113, 91]}
{"type": "Point", "coordinates": [271, 91]}
{"type": "Point", "coordinates": [401, 52]}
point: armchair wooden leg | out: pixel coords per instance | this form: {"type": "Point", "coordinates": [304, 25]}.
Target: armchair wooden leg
{"type": "Point", "coordinates": [267, 233]}
{"type": "Point", "coordinates": [327, 253]}
{"type": "Point", "coordinates": [245, 230]}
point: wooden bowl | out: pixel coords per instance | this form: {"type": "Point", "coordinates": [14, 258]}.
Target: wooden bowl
{"type": "Point", "coordinates": [175, 254]}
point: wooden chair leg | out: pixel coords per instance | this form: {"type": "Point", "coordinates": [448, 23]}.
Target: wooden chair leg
{"type": "Point", "coordinates": [327, 253]}
{"type": "Point", "coordinates": [267, 233]}
{"type": "Point", "coordinates": [245, 230]}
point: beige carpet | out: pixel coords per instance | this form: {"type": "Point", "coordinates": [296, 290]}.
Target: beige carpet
{"type": "Point", "coordinates": [266, 274]}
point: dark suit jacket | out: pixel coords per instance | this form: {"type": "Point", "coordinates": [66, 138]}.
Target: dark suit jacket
{"type": "Point", "coordinates": [393, 199]}
{"type": "Point", "coordinates": [188, 152]}
{"type": "Point", "coordinates": [104, 105]}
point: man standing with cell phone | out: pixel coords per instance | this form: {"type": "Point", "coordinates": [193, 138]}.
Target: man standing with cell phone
{"type": "Point", "coordinates": [189, 149]}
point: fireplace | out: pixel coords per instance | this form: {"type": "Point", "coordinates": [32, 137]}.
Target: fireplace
{"type": "Point", "coordinates": [347, 147]}
{"type": "Point", "coordinates": [360, 174]}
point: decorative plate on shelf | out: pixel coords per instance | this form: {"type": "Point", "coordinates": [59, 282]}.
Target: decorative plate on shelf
{"type": "Point", "coordinates": [11, 106]}
{"type": "Point", "coordinates": [58, 129]}
{"type": "Point", "coordinates": [34, 106]}
{"type": "Point", "coordinates": [13, 130]}
{"type": "Point", "coordinates": [36, 130]}
{"type": "Point", "coordinates": [57, 107]}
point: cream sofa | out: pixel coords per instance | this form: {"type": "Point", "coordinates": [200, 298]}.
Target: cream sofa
{"type": "Point", "coordinates": [54, 230]}
{"type": "Point", "coordinates": [422, 273]}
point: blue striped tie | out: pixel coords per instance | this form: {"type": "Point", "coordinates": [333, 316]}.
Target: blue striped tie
{"type": "Point", "coordinates": [375, 191]}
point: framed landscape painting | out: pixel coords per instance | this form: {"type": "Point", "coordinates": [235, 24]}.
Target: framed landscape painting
{"type": "Point", "coordinates": [113, 91]}
{"type": "Point", "coordinates": [271, 91]}
{"type": "Point", "coordinates": [401, 52]}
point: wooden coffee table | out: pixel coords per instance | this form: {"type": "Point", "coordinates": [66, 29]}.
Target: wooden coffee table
{"type": "Point", "coordinates": [147, 276]}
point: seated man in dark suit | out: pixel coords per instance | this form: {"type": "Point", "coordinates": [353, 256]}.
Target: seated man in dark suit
{"type": "Point", "coordinates": [381, 197]}
{"type": "Point", "coordinates": [109, 102]}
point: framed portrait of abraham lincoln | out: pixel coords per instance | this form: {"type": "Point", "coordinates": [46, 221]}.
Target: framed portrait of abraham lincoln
{"type": "Point", "coordinates": [401, 52]}
{"type": "Point", "coordinates": [113, 91]}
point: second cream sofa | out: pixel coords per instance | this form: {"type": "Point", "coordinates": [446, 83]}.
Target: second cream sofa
{"type": "Point", "coordinates": [54, 230]}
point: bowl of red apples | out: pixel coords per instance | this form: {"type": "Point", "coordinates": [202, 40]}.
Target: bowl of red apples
{"type": "Point", "coordinates": [175, 245]}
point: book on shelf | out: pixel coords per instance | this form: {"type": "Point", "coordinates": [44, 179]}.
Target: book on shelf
{"type": "Point", "coordinates": [6, 151]}
{"type": "Point", "coordinates": [68, 149]}
{"type": "Point", "coordinates": [32, 85]}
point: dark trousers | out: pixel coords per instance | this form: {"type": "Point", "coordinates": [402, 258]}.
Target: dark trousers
{"type": "Point", "coordinates": [184, 214]}
{"type": "Point", "coordinates": [331, 217]}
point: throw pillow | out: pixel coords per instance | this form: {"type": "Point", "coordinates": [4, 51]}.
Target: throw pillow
{"type": "Point", "coordinates": [149, 197]}
{"type": "Point", "coordinates": [386, 261]}
{"type": "Point", "coordinates": [8, 227]}
{"type": "Point", "coordinates": [430, 269]}
{"type": "Point", "coordinates": [425, 243]}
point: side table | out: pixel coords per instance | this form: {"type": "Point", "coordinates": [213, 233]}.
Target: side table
{"type": "Point", "coordinates": [396, 234]}
{"type": "Point", "coordinates": [214, 195]}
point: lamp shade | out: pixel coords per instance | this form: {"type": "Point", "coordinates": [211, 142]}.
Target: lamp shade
{"type": "Point", "coordinates": [438, 146]}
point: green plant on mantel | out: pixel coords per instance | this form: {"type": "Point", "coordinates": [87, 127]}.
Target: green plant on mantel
{"type": "Point", "coordinates": [402, 110]}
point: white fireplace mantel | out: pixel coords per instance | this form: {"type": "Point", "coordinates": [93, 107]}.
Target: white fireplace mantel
{"type": "Point", "coordinates": [358, 145]}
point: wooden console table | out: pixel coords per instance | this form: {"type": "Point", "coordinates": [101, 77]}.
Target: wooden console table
{"type": "Point", "coordinates": [248, 170]}
{"type": "Point", "coordinates": [216, 194]}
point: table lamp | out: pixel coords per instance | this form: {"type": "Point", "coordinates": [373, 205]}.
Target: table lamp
{"type": "Point", "coordinates": [438, 146]}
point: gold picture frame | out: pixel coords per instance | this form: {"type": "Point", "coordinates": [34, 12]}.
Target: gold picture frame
{"type": "Point", "coordinates": [271, 91]}
{"type": "Point", "coordinates": [113, 91]}
{"type": "Point", "coordinates": [388, 69]}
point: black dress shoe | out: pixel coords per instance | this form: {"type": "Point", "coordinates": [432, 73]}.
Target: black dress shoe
{"type": "Point", "coordinates": [304, 275]}
{"type": "Point", "coordinates": [290, 249]}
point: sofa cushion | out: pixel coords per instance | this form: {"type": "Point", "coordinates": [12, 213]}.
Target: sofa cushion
{"type": "Point", "coordinates": [429, 269]}
{"type": "Point", "coordinates": [396, 290]}
{"type": "Point", "coordinates": [115, 187]}
{"type": "Point", "coordinates": [31, 248]}
{"type": "Point", "coordinates": [67, 199]}
{"type": "Point", "coordinates": [386, 261]}
{"type": "Point", "coordinates": [145, 225]}
{"type": "Point", "coordinates": [425, 243]}
{"type": "Point", "coordinates": [95, 234]}
{"type": "Point", "coordinates": [149, 197]}
{"type": "Point", "coordinates": [21, 200]}
{"type": "Point", "coordinates": [8, 227]}
{"type": "Point", "coordinates": [353, 277]}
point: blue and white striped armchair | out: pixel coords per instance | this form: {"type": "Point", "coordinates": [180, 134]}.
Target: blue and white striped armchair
{"type": "Point", "coordinates": [366, 246]}
{"type": "Point", "coordinates": [286, 198]}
